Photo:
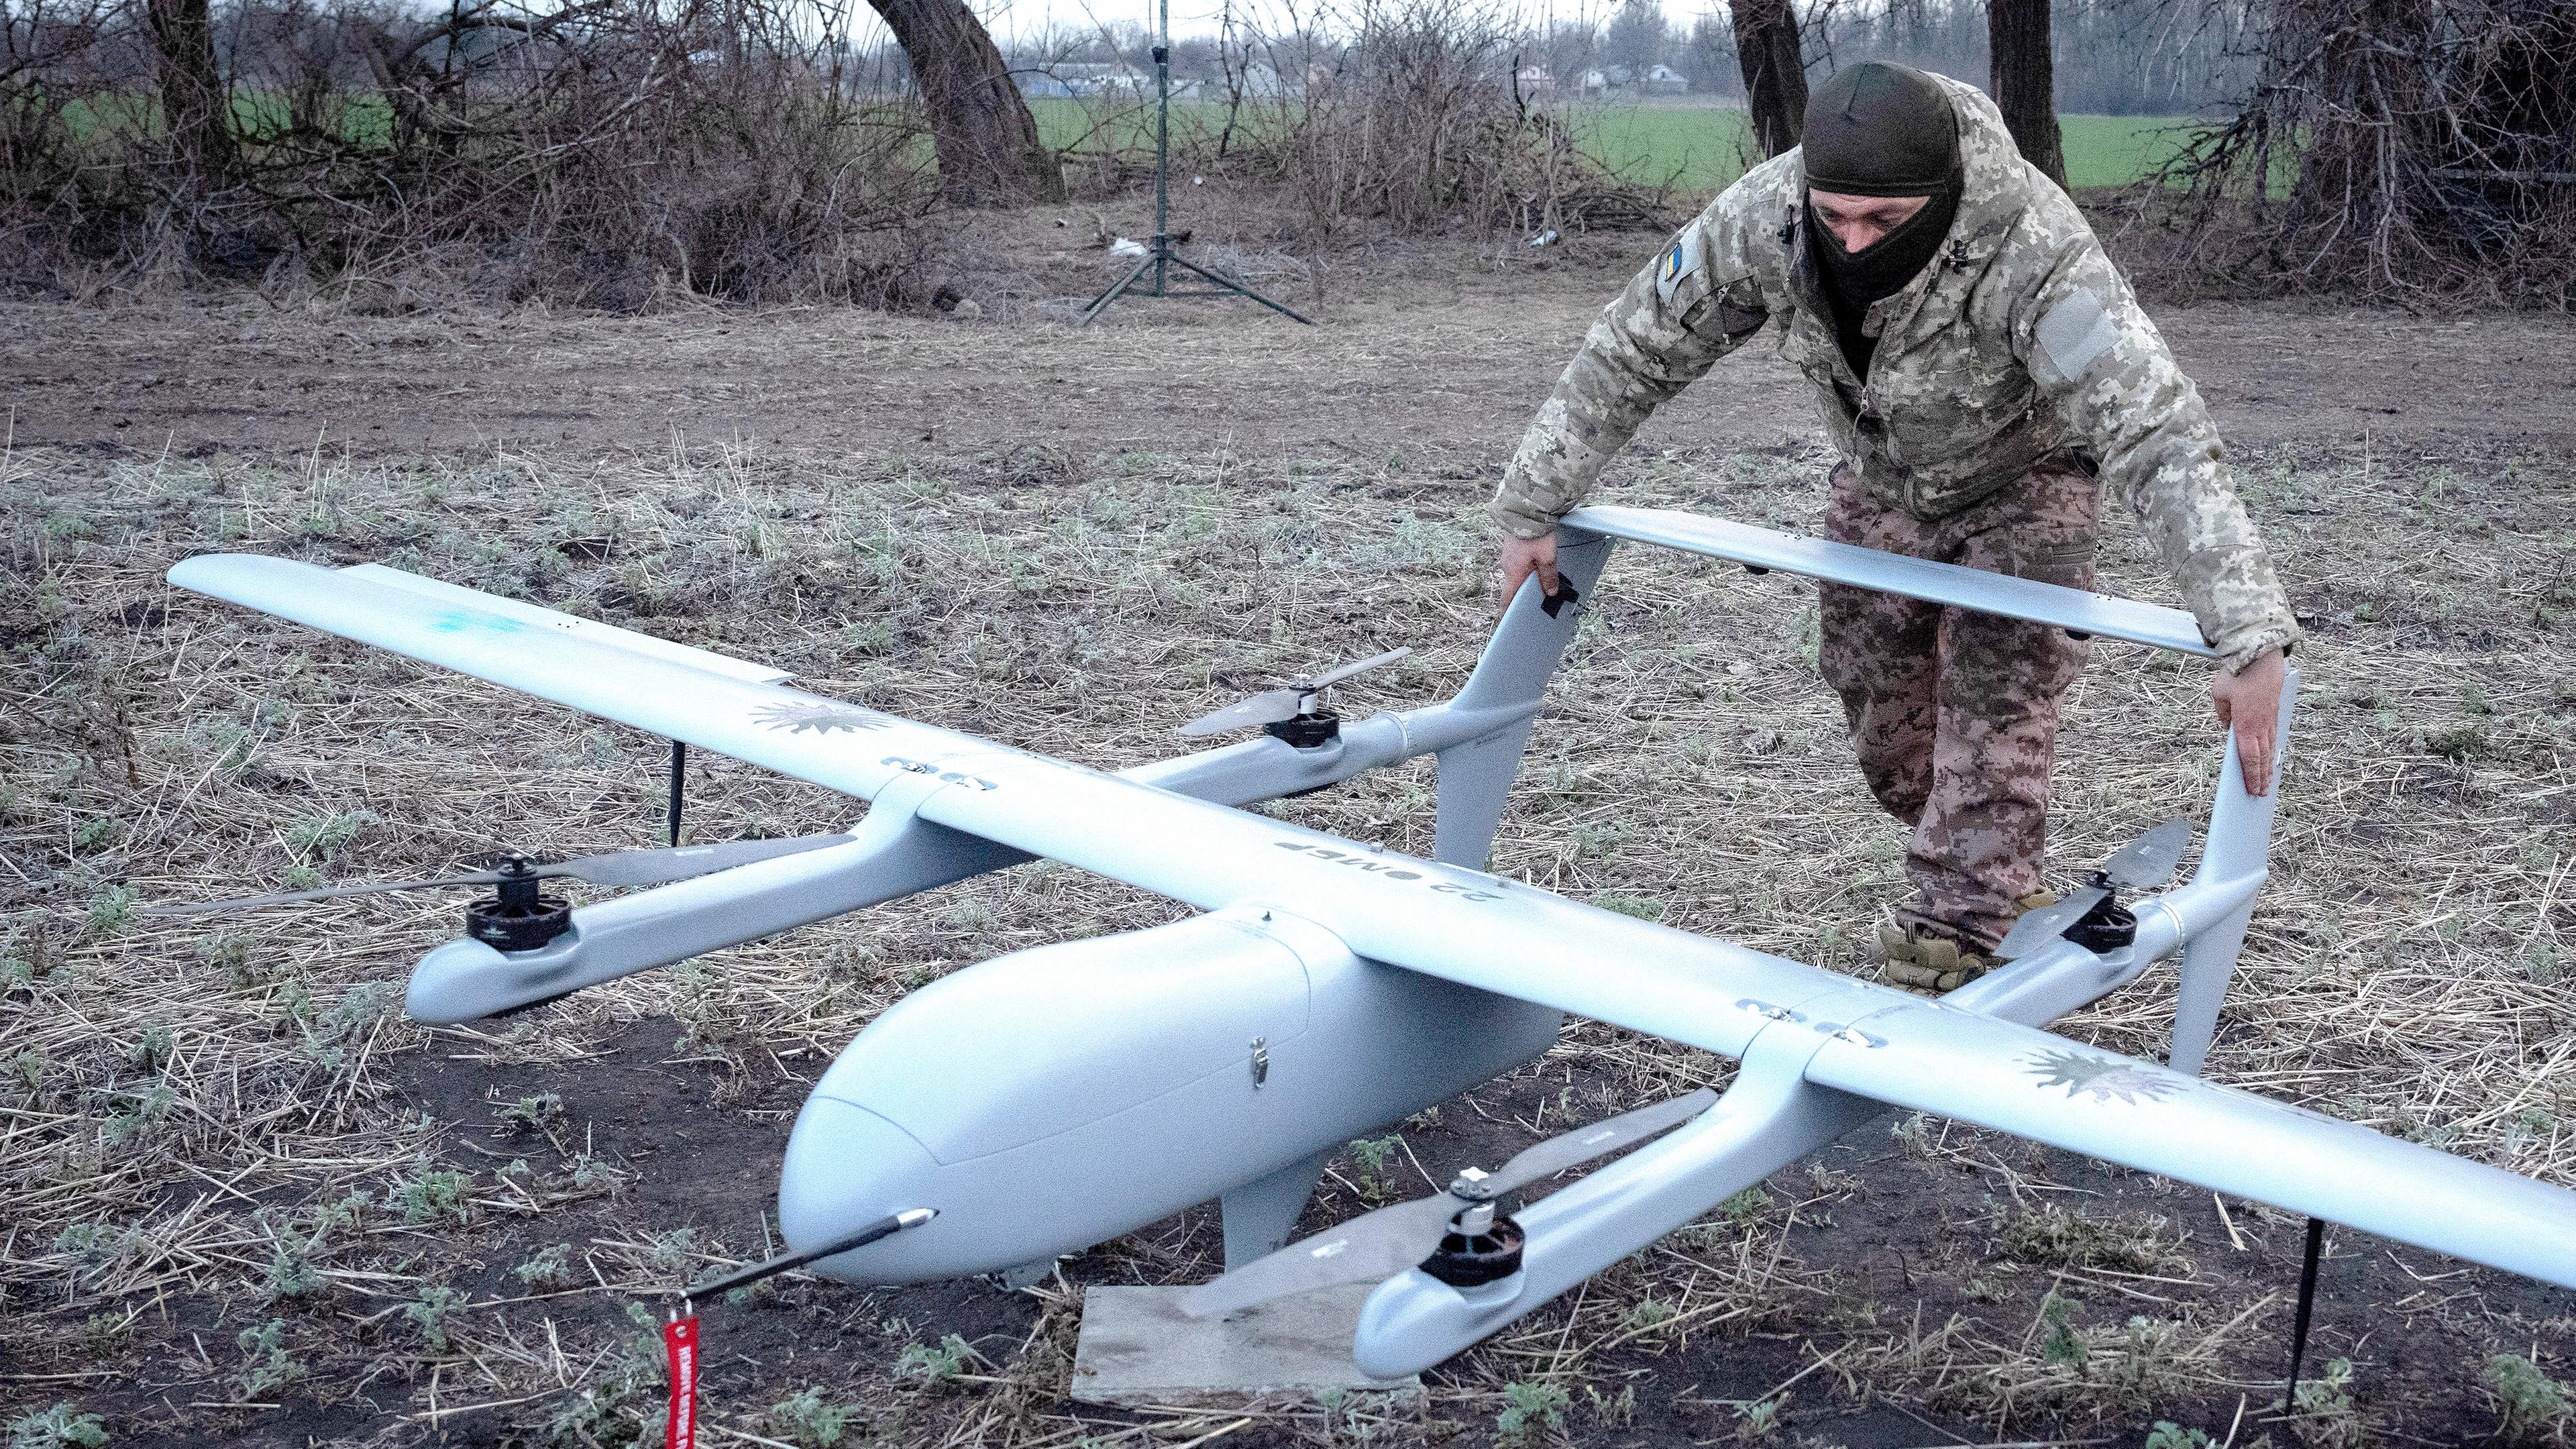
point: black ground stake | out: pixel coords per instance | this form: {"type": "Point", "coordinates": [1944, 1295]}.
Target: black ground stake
{"type": "Point", "coordinates": [679, 775]}
{"type": "Point", "coordinates": [2307, 1302]}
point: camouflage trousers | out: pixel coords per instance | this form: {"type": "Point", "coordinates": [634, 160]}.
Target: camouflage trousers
{"type": "Point", "coordinates": [1954, 713]}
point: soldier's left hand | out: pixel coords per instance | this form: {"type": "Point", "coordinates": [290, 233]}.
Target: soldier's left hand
{"type": "Point", "coordinates": [2250, 701]}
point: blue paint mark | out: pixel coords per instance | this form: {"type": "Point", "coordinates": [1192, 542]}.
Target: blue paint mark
{"type": "Point", "coordinates": [457, 621]}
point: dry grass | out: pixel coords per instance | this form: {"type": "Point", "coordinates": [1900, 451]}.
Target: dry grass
{"type": "Point", "coordinates": [204, 1132]}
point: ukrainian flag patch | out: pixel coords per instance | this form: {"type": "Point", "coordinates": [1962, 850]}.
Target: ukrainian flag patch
{"type": "Point", "coordinates": [1680, 260]}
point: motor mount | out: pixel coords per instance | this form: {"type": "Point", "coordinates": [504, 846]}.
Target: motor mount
{"type": "Point", "coordinates": [2107, 927]}
{"type": "Point", "coordinates": [516, 917]}
{"type": "Point", "coordinates": [1480, 1247]}
{"type": "Point", "coordinates": [1307, 731]}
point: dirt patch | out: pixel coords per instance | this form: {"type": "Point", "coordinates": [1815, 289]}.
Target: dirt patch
{"type": "Point", "coordinates": [1439, 351]}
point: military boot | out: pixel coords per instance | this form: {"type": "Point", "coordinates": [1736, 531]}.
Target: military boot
{"type": "Point", "coordinates": [1926, 961]}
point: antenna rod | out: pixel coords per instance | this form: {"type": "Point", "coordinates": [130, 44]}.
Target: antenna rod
{"type": "Point", "coordinates": [884, 1227]}
{"type": "Point", "coordinates": [1162, 256]}
{"type": "Point", "coordinates": [2307, 1302]}
{"type": "Point", "coordinates": [679, 776]}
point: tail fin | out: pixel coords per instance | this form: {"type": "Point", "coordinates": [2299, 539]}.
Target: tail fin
{"type": "Point", "coordinates": [2239, 845]}
{"type": "Point", "coordinates": [1476, 777]}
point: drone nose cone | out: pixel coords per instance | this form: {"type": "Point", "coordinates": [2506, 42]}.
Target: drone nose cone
{"type": "Point", "coordinates": [847, 1167]}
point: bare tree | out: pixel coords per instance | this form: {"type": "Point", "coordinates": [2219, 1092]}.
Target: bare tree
{"type": "Point", "coordinates": [1712, 54]}
{"type": "Point", "coordinates": [2024, 80]}
{"type": "Point", "coordinates": [1637, 37]}
{"type": "Point", "coordinates": [194, 104]}
{"type": "Point", "coordinates": [1775, 71]}
{"type": "Point", "coordinates": [2121, 57]}
{"type": "Point", "coordinates": [1572, 46]}
{"type": "Point", "coordinates": [986, 140]}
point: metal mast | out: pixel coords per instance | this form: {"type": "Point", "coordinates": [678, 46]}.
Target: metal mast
{"type": "Point", "coordinates": [1164, 254]}
{"type": "Point", "coordinates": [1162, 140]}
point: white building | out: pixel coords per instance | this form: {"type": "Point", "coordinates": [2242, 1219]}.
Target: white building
{"type": "Point", "coordinates": [1099, 78]}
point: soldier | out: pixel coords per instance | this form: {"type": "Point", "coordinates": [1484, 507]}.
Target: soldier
{"type": "Point", "coordinates": [1983, 370]}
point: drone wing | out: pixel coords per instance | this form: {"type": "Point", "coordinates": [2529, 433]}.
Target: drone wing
{"type": "Point", "coordinates": [1462, 925]}
{"type": "Point", "coordinates": [1440, 919]}
{"type": "Point", "coordinates": [728, 705]}
{"type": "Point", "coordinates": [2033, 1084]}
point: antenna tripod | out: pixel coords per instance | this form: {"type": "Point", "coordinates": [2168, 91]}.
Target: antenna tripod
{"type": "Point", "coordinates": [1163, 254]}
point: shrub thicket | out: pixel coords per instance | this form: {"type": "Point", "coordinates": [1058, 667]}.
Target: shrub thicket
{"type": "Point", "coordinates": [2404, 150]}
{"type": "Point", "coordinates": [615, 153]}
{"type": "Point", "coordinates": [600, 154]}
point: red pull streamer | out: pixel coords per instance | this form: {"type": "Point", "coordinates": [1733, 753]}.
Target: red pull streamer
{"type": "Point", "coordinates": [680, 1341]}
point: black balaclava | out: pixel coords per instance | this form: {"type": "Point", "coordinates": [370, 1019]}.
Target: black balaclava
{"type": "Point", "coordinates": [1875, 129]}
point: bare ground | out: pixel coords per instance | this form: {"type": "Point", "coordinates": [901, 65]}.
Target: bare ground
{"type": "Point", "coordinates": [1057, 537]}
{"type": "Point", "coordinates": [1440, 349]}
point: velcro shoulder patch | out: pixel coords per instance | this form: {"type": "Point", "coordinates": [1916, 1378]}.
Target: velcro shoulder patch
{"type": "Point", "coordinates": [1740, 309]}
{"type": "Point", "coordinates": [2075, 332]}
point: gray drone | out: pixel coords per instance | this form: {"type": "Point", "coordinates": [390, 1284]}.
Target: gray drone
{"type": "Point", "coordinates": [1036, 1104]}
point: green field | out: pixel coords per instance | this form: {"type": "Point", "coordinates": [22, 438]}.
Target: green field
{"type": "Point", "coordinates": [1701, 148]}
{"type": "Point", "coordinates": [2116, 150]}
{"type": "Point", "coordinates": [360, 118]}
{"type": "Point", "coordinates": [1697, 148]}
{"type": "Point", "coordinates": [1091, 125]}
{"type": "Point", "coordinates": [1694, 148]}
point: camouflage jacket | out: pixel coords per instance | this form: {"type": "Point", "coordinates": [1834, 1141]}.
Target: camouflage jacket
{"type": "Point", "coordinates": [2020, 341]}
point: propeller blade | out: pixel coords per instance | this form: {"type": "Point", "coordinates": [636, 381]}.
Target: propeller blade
{"type": "Point", "coordinates": [246, 903]}
{"type": "Point", "coordinates": [1558, 1153]}
{"type": "Point", "coordinates": [615, 868]}
{"type": "Point", "coordinates": [1275, 706]}
{"type": "Point", "coordinates": [1270, 706]}
{"type": "Point", "coordinates": [2151, 859]}
{"type": "Point", "coordinates": [2037, 928]}
{"type": "Point", "coordinates": [1336, 676]}
{"type": "Point", "coordinates": [1378, 1245]}
{"type": "Point", "coordinates": [1369, 1248]}
{"type": "Point", "coordinates": [2143, 864]}
{"type": "Point", "coordinates": [660, 867]}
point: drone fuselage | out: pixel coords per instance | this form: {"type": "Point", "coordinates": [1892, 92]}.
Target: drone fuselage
{"type": "Point", "coordinates": [1061, 1096]}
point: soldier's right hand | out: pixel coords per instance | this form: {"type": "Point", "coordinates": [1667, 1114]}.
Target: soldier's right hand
{"type": "Point", "coordinates": [2249, 703]}
{"type": "Point", "coordinates": [1522, 557]}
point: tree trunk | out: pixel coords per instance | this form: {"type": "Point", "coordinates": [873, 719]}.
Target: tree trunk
{"type": "Point", "coordinates": [1775, 71]}
{"type": "Point", "coordinates": [2024, 81]}
{"type": "Point", "coordinates": [194, 105]}
{"type": "Point", "coordinates": [986, 140]}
